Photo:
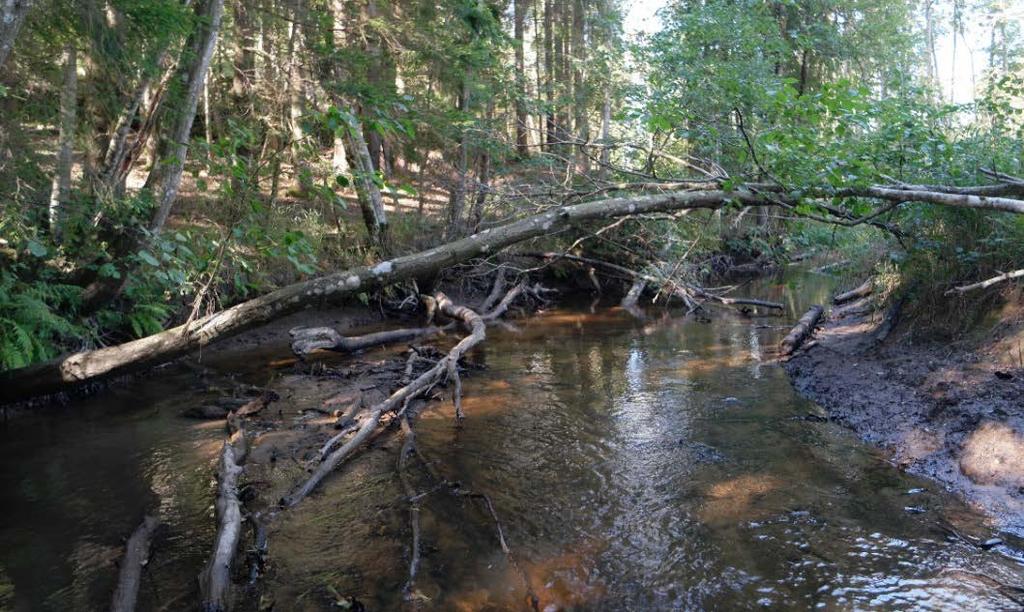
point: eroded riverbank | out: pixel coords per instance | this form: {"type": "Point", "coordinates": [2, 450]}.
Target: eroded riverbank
{"type": "Point", "coordinates": [948, 412]}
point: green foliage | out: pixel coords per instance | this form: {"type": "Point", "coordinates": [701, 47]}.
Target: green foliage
{"type": "Point", "coordinates": [35, 318]}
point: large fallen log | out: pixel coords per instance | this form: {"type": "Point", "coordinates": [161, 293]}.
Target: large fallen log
{"type": "Point", "coordinates": [862, 290]}
{"type": "Point", "coordinates": [447, 365]}
{"type": "Point", "coordinates": [67, 372]}
{"type": "Point", "coordinates": [136, 556]}
{"type": "Point", "coordinates": [803, 328]}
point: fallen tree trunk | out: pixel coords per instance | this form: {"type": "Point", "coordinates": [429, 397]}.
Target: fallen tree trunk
{"type": "Point", "coordinates": [803, 328]}
{"type": "Point", "coordinates": [995, 280]}
{"type": "Point", "coordinates": [215, 579]}
{"type": "Point", "coordinates": [136, 555]}
{"type": "Point", "coordinates": [863, 290]}
{"type": "Point", "coordinates": [69, 371]}
{"type": "Point", "coordinates": [446, 365]}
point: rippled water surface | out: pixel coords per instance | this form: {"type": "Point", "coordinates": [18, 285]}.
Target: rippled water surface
{"type": "Point", "coordinates": [656, 463]}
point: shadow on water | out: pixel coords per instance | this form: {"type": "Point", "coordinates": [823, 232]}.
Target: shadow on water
{"type": "Point", "coordinates": [661, 463]}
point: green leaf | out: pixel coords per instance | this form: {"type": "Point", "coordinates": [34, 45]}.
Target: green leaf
{"type": "Point", "coordinates": [147, 257]}
{"type": "Point", "coordinates": [37, 249]}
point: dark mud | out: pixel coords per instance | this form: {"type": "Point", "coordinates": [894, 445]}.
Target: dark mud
{"type": "Point", "coordinates": [952, 413]}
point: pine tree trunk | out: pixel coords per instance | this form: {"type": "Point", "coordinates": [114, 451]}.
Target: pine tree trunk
{"type": "Point", "coordinates": [61, 190]}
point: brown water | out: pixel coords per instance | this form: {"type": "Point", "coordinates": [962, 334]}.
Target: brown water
{"type": "Point", "coordinates": [662, 463]}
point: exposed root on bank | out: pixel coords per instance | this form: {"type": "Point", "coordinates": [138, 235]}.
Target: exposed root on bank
{"type": "Point", "coordinates": [691, 295]}
{"type": "Point", "coordinates": [136, 556]}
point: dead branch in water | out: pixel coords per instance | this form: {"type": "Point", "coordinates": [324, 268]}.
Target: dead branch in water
{"type": "Point", "coordinates": [995, 280]}
{"type": "Point", "coordinates": [399, 397]}
{"type": "Point", "coordinates": [803, 328]}
{"type": "Point", "coordinates": [862, 290]}
{"type": "Point", "coordinates": [136, 556]}
{"type": "Point", "coordinates": [215, 579]}
{"type": "Point", "coordinates": [305, 340]}
{"type": "Point", "coordinates": [414, 507]}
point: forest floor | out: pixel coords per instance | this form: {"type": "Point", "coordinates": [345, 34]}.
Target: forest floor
{"type": "Point", "coordinates": [953, 412]}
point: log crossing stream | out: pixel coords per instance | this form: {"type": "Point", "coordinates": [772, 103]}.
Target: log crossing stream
{"type": "Point", "coordinates": [635, 464]}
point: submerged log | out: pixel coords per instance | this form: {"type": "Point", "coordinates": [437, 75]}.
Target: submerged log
{"type": "Point", "coordinates": [397, 399]}
{"type": "Point", "coordinates": [863, 290]}
{"type": "Point", "coordinates": [136, 556]}
{"type": "Point", "coordinates": [803, 328]}
{"type": "Point", "coordinates": [215, 579]}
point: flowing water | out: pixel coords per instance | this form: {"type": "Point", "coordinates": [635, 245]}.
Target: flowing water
{"type": "Point", "coordinates": [634, 464]}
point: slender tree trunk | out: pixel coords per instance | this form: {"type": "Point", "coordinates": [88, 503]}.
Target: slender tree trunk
{"type": "Point", "coordinates": [181, 135]}
{"type": "Point", "coordinates": [12, 18]}
{"type": "Point", "coordinates": [522, 137]}
{"type": "Point", "coordinates": [339, 161]}
{"type": "Point", "coordinates": [457, 199]}
{"type": "Point", "coordinates": [117, 160]}
{"type": "Point", "coordinates": [549, 73]}
{"type": "Point", "coordinates": [61, 191]}
{"type": "Point", "coordinates": [606, 124]}
{"type": "Point", "coordinates": [580, 94]}
{"type": "Point", "coordinates": [370, 201]}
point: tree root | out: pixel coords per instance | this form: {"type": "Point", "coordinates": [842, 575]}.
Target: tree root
{"type": "Point", "coordinates": [418, 386]}
{"type": "Point", "coordinates": [305, 340]}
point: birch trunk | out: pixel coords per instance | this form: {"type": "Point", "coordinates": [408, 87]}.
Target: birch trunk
{"type": "Point", "coordinates": [61, 190]}
{"type": "Point", "coordinates": [12, 18]}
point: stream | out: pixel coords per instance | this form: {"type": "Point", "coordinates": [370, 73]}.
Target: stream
{"type": "Point", "coordinates": [634, 464]}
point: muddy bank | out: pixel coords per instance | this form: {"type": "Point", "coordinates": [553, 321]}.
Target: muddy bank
{"type": "Point", "coordinates": [950, 412]}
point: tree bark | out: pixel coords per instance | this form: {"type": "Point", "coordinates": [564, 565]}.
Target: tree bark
{"type": "Point", "coordinates": [136, 556]}
{"type": "Point", "coordinates": [215, 579]}
{"type": "Point", "coordinates": [800, 332]}
{"type": "Point", "coordinates": [522, 137]}
{"type": "Point", "coordinates": [67, 372]}
{"type": "Point", "coordinates": [863, 290]}
{"type": "Point", "coordinates": [60, 193]}
{"type": "Point", "coordinates": [12, 18]}
{"type": "Point", "coordinates": [986, 283]}
{"type": "Point", "coordinates": [371, 203]}
{"type": "Point", "coordinates": [171, 179]}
